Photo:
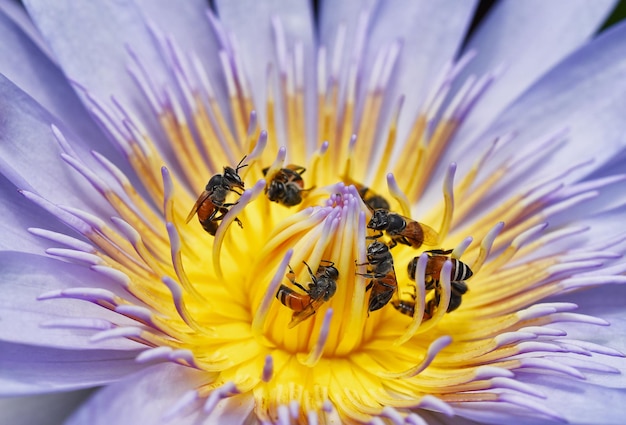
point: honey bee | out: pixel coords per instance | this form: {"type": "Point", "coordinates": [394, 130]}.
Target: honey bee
{"type": "Point", "coordinates": [459, 274]}
{"type": "Point", "coordinates": [286, 185]}
{"type": "Point", "coordinates": [211, 205]}
{"type": "Point", "coordinates": [373, 200]}
{"type": "Point", "coordinates": [322, 287]}
{"type": "Point", "coordinates": [402, 229]}
{"type": "Point", "coordinates": [383, 281]}
{"type": "Point", "coordinates": [406, 306]}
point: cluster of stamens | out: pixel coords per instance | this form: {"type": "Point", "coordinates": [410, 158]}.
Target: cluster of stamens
{"type": "Point", "coordinates": [436, 271]}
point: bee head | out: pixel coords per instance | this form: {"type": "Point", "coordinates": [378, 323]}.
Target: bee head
{"type": "Point", "coordinates": [377, 252]}
{"type": "Point", "coordinates": [331, 273]}
{"type": "Point", "coordinates": [275, 191]}
{"type": "Point", "coordinates": [330, 287]}
{"type": "Point", "coordinates": [379, 220]}
{"type": "Point", "coordinates": [232, 178]}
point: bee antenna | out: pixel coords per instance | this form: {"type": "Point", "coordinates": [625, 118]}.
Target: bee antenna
{"type": "Point", "coordinates": [239, 166]}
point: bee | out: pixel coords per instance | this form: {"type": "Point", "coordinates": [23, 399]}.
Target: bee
{"type": "Point", "coordinates": [211, 205]}
{"type": "Point", "coordinates": [459, 274]}
{"type": "Point", "coordinates": [383, 281]}
{"type": "Point", "coordinates": [322, 287]}
{"type": "Point", "coordinates": [402, 229]}
{"type": "Point", "coordinates": [286, 185]}
{"type": "Point", "coordinates": [406, 306]}
{"type": "Point", "coordinates": [372, 200]}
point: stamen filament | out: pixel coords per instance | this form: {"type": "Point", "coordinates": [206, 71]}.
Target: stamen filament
{"type": "Point", "coordinates": [357, 305]}
{"type": "Point", "coordinates": [485, 247]}
{"type": "Point", "coordinates": [177, 297]}
{"type": "Point", "coordinates": [420, 301]}
{"type": "Point", "coordinates": [458, 251]}
{"type": "Point", "coordinates": [444, 298]}
{"type": "Point", "coordinates": [260, 317]}
{"type": "Point", "coordinates": [247, 197]}
{"type": "Point", "coordinates": [398, 195]}
{"type": "Point", "coordinates": [448, 196]}
{"type": "Point", "coordinates": [316, 352]}
{"type": "Point", "coordinates": [433, 349]}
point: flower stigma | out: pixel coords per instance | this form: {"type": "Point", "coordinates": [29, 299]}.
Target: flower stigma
{"type": "Point", "coordinates": [255, 256]}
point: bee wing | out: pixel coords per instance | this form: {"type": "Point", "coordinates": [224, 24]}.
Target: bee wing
{"type": "Point", "coordinates": [431, 236]}
{"type": "Point", "coordinates": [307, 312]}
{"type": "Point", "coordinates": [298, 169]}
{"type": "Point", "coordinates": [203, 197]}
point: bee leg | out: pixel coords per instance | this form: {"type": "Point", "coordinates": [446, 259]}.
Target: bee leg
{"type": "Point", "coordinates": [410, 294]}
{"type": "Point", "coordinates": [393, 243]}
{"type": "Point", "coordinates": [291, 275]}
{"type": "Point", "coordinates": [376, 236]}
{"type": "Point", "coordinates": [429, 310]}
{"type": "Point", "coordinates": [310, 272]}
{"type": "Point", "coordinates": [238, 222]}
{"type": "Point", "coordinates": [431, 284]}
{"type": "Point", "coordinates": [213, 216]}
{"type": "Point", "coordinates": [371, 275]}
{"type": "Point", "coordinates": [299, 286]}
{"type": "Point", "coordinates": [406, 241]}
{"type": "Point", "coordinates": [404, 307]}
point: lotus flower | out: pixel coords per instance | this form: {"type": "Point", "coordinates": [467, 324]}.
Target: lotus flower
{"type": "Point", "coordinates": [271, 294]}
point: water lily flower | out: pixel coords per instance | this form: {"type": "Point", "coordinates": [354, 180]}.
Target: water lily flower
{"type": "Point", "coordinates": [194, 207]}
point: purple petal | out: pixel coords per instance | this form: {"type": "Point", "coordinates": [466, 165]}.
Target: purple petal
{"type": "Point", "coordinates": [575, 402]}
{"type": "Point", "coordinates": [586, 94]}
{"type": "Point", "coordinates": [15, 11]}
{"type": "Point", "coordinates": [431, 34]}
{"type": "Point", "coordinates": [527, 38]}
{"type": "Point", "coordinates": [41, 409]}
{"type": "Point", "coordinates": [17, 215]}
{"type": "Point", "coordinates": [251, 24]}
{"type": "Point", "coordinates": [35, 73]}
{"type": "Point", "coordinates": [441, 419]}
{"type": "Point", "coordinates": [27, 369]}
{"type": "Point", "coordinates": [30, 155]}
{"type": "Point", "coordinates": [579, 402]}
{"type": "Point", "coordinates": [187, 24]}
{"type": "Point", "coordinates": [607, 302]}
{"type": "Point", "coordinates": [596, 235]}
{"type": "Point", "coordinates": [90, 44]}
{"type": "Point", "coordinates": [147, 396]}
{"type": "Point", "coordinates": [604, 208]}
{"type": "Point", "coordinates": [24, 277]}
